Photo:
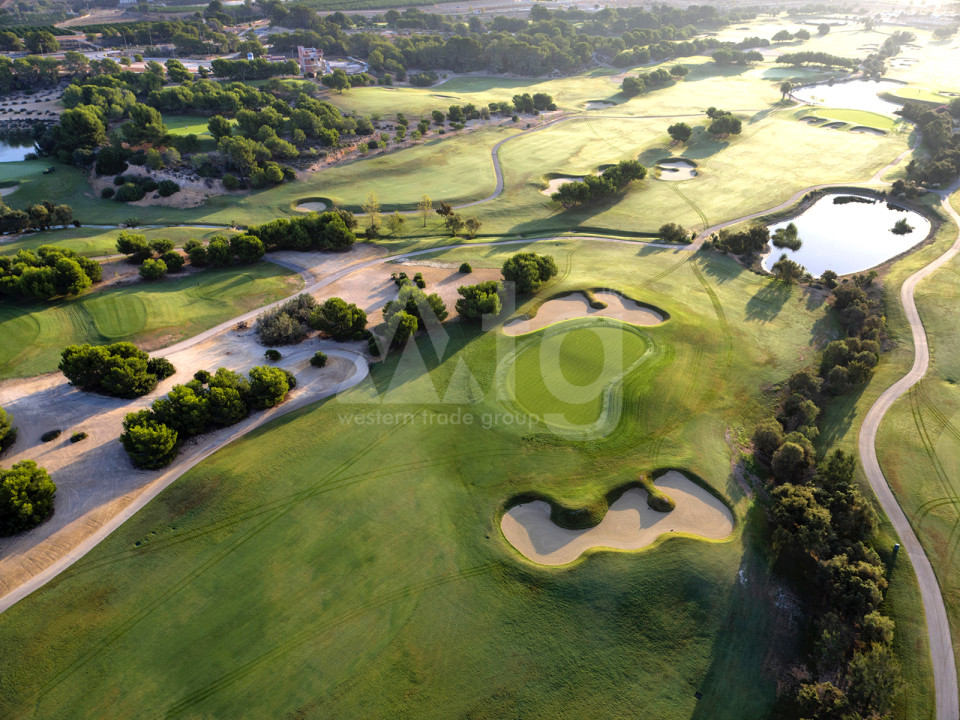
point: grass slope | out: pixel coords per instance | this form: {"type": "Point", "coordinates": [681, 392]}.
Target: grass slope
{"type": "Point", "coordinates": [149, 314]}
{"type": "Point", "coordinates": [366, 552]}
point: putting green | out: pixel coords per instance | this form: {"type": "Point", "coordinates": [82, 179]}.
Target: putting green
{"type": "Point", "coordinates": [117, 316]}
{"type": "Point", "coordinates": [565, 376]}
{"type": "Point", "coordinates": [855, 117]}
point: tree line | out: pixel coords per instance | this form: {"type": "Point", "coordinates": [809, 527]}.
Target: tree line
{"type": "Point", "coordinates": [46, 273]}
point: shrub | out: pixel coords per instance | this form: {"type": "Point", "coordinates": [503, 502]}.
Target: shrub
{"type": "Point", "coordinates": [26, 497]}
{"type": "Point", "coordinates": [286, 324]}
{"type": "Point", "coordinates": [130, 192]}
{"type": "Point", "coordinates": [8, 432]}
{"type": "Point", "coordinates": [529, 270]}
{"type": "Point", "coordinates": [465, 268]}
{"type": "Point", "coordinates": [272, 355]}
{"type": "Point", "coordinates": [339, 320]}
{"type": "Point", "coordinates": [166, 188]}
{"type": "Point", "coordinates": [50, 435]}
{"type": "Point", "coordinates": [153, 269]}
{"type": "Point", "coordinates": [120, 370]}
{"type": "Point", "coordinates": [419, 281]}
{"type": "Point", "coordinates": [268, 387]}
{"type": "Point", "coordinates": [475, 301]}
{"type": "Point", "coordinates": [78, 436]}
{"type": "Point", "coordinates": [173, 260]}
{"type": "Point", "coordinates": [107, 193]}
{"type": "Point", "coordinates": [150, 444]}
{"type": "Point", "coordinates": [318, 360]}
{"type": "Point", "coordinates": [231, 182]}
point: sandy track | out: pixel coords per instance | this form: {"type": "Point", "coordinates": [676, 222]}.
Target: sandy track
{"type": "Point", "coordinates": [576, 305]}
{"type": "Point", "coordinates": [630, 524]}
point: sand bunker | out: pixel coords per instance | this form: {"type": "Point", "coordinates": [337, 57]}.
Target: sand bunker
{"type": "Point", "coordinates": [8, 190]}
{"type": "Point", "coordinates": [555, 184]}
{"type": "Point", "coordinates": [312, 206]}
{"type": "Point", "coordinates": [868, 130]}
{"type": "Point", "coordinates": [812, 120]}
{"type": "Point", "coordinates": [677, 170]}
{"type": "Point", "coordinates": [630, 524]}
{"type": "Point", "coordinates": [835, 125]}
{"type": "Point", "coordinates": [576, 305]}
{"type": "Point", "coordinates": [598, 104]}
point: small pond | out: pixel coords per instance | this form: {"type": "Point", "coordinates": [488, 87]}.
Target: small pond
{"type": "Point", "coordinates": [849, 237]}
{"type": "Point", "coordinates": [853, 95]}
{"type": "Point", "coordinates": [14, 150]}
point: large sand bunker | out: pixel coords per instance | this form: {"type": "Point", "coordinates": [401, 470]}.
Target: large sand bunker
{"type": "Point", "coordinates": [313, 206]}
{"type": "Point", "coordinates": [598, 104]}
{"type": "Point", "coordinates": [867, 130]}
{"type": "Point", "coordinates": [630, 524]}
{"type": "Point", "coordinates": [555, 184]}
{"type": "Point", "coordinates": [677, 169]}
{"type": "Point", "coordinates": [576, 305]}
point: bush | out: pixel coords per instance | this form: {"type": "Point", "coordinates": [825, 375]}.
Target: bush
{"type": "Point", "coordinates": [475, 301]}
{"type": "Point", "coordinates": [465, 268]}
{"type": "Point", "coordinates": [107, 193]}
{"type": "Point", "coordinates": [150, 445]}
{"type": "Point", "coordinates": [339, 320]}
{"type": "Point", "coordinates": [268, 387]}
{"type": "Point", "coordinates": [78, 436]}
{"type": "Point", "coordinates": [529, 270]}
{"type": "Point", "coordinates": [173, 260]}
{"type": "Point", "coordinates": [50, 435]}
{"type": "Point", "coordinates": [153, 269]}
{"type": "Point", "coordinates": [119, 370]}
{"type": "Point", "coordinates": [8, 432]}
{"type": "Point", "coordinates": [130, 192]}
{"type": "Point", "coordinates": [286, 324]}
{"type": "Point", "coordinates": [26, 497]}
{"type": "Point", "coordinates": [318, 360]}
{"type": "Point", "coordinates": [272, 355]}
{"type": "Point", "coordinates": [419, 281]}
{"type": "Point", "coordinates": [166, 188]}
{"type": "Point", "coordinates": [231, 182]}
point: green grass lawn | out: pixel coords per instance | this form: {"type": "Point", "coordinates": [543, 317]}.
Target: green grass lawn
{"type": "Point", "coordinates": [854, 117]}
{"type": "Point", "coordinates": [366, 553]}
{"type": "Point", "coordinates": [920, 94]}
{"type": "Point", "coordinates": [150, 314]}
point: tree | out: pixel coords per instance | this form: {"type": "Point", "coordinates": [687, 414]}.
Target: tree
{"type": "Point", "coordinates": [425, 207]}
{"type": "Point", "coordinates": [268, 387]}
{"type": "Point", "coordinates": [791, 461]}
{"type": "Point", "coordinates": [8, 431]}
{"type": "Point", "coordinates": [787, 270]}
{"type": "Point", "coordinates": [41, 41]}
{"type": "Point", "coordinates": [395, 222]}
{"type": "Point", "coordinates": [484, 298]}
{"type": "Point", "coordinates": [823, 29]}
{"type": "Point", "coordinates": [444, 210]}
{"type": "Point", "coordinates": [319, 359]}
{"type": "Point", "coordinates": [26, 497]}
{"type": "Point", "coordinates": [528, 271]}
{"type": "Point", "coordinates": [183, 410]}
{"type": "Point", "coordinates": [152, 269]}
{"type": "Point", "coordinates": [219, 253]}
{"type": "Point", "coordinates": [145, 125]}
{"type": "Point", "coordinates": [372, 210]}
{"type": "Point", "coordinates": [472, 225]}
{"type": "Point", "coordinates": [82, 127]}
{"type": "Point", "coordinates": [400, 327]}
{"type": "Point", "coordinates": [783, 36]}
{"type": "Point", "coordinates": [337, 80]}
{"type": "Point", "coordinates": [247, 248]}
{"type": "Point", "coordinates": [150, 445]}
{"type": "Point", "coordinates": [338, 319]}
{"type": "Point", "coordinates": [120, 370]}
{"type": "Point", "coordinates": [787, 237]}
{"type": "Point", "coordinates": [786, 87]}
{"type": "Point", "coordinates": [671, 232]}
{"type": "Point", "coordinates": [69, 278]}
{"type": "Point", "coordinates": [801, 524]}
{"type": "Point", "coordinates": [767, 437]}
{"type": "Point", "coordinates": [219, 127]}
{"type": "Point", "coordinates": [225, 406]}
{"type": "Point", "coordinates": [454, 223]}
{"type": "Point", "coordinates": [680, 132]}
{"type": "Point", "coordinates": [679, 71]}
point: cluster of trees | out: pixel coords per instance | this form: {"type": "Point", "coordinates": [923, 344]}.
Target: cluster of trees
{"type": "Point", "coordinates": [152, 436]}
{"type": "Point", "coordinates": [787, 237]}
{"type": "Point", "coordinates": [875, 64]}
{"type": "Point", "coordinates": [943, 167]}
{"type": "Point", "coordinates": [595, 187]}
{"type": "Point", "coordinates": [29, 72]}
{"type": "Point", "coordinates": [190, 36]}
{"type": "Point", "coordinates": [455, 223]}
{"type": "Point", "coordinates": [733, 56]}
{"type": "Point", "coordinates": [331, 230]}
{"type": "Point", "coordinates": [256, 69]}
{"type": "Point", "coordinates": [412, 311]}
{"type": "Point", "coordinates": [288, 323]}
{"type": "Point", "coordinates": [131, 188]}
{"type": "Point", "coordinates": [750, 241]}
{"type": "Point", "coordinates": [120, 370]}
{"type": "Point", "coordinates": [528, 271]}
{"type": "Point", "coordinates": [723, 123]}
{"type": "Point", "coordinates": [47, 272]}
{"type": "Point", "coordinates": [657, 78]}
{"type": "Point", "coordinates": [822, 527]}
{"type": "Point", "coordinates": [810, 57]}
{"type": "Point", "coordinates": [783, 36]}
{"type": "Point", "coordinates": [36, 216]}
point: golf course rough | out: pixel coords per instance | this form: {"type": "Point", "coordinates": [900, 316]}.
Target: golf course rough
{"type": "Point", "coordinates": [629, 523]}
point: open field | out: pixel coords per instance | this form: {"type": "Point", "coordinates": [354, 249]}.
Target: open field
{"type": "Point", "coordinates": [390, 579]}
{"type": "Point", "coordinates": [149, 314]}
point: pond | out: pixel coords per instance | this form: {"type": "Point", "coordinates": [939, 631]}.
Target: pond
{"type": "Point", "coordinates": [13, 150]}
{"type": "Point", "coordinates": [849, 237]}
{"type": "Point", "coordinates": [853, 95]}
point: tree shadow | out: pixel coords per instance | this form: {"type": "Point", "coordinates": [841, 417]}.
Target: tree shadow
{"type": "Point", "coordinates": [720, 268]}
{"type": "Point", "coordinates": [767, 303]}
{"type": "Point", "coordinates": [839, 416]}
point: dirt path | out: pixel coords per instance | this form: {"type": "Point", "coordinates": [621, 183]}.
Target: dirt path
{"type": "Point", "coordinates": [938, 626]}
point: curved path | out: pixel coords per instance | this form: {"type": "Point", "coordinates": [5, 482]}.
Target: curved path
{"type": "Point", "coordinates": [938, 626]}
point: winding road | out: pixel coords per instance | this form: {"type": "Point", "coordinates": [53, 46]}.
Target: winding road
{"type": "Point", "coordinates": [938, 626]}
